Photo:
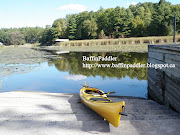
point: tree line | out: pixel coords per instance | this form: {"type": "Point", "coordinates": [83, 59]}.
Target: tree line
{"type": "Point", "coordinates": [141, 20]}
{"type": "Point", "coordinates": [19, 36]}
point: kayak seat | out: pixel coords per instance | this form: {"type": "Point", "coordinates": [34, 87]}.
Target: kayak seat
{"type": "Point", "coordinates": [95, 94]}
{"type": "Point", "coordinates": [99, 99]}
{"type": "Point", "coordinates": [89, 91]}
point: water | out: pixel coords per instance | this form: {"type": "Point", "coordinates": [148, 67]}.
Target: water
{"type": "Point", "coordinates": [66, 74]}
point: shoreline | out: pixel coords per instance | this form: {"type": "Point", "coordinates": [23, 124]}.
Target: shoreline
{"type": "Point", "coordinates": [111, 96]}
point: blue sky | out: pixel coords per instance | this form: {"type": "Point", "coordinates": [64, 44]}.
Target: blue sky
{"type": "Point", "coordinates": [22, 13]}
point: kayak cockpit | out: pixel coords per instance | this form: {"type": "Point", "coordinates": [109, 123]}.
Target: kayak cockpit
{"type": "Point", "coordinates": [93, 91]}
{"type": "Point", "coordinates": [96, 95]}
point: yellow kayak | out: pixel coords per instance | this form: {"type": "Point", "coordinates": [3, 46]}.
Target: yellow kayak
{"type": "Point", "coordinates": [97, 100]}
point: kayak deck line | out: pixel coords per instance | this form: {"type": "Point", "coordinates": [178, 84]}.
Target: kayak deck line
{"type": "Point", "coordinates": [98, 101]}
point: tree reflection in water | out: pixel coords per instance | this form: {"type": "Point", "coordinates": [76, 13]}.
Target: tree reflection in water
{"type": "Point", "coordinates": [72, 63]}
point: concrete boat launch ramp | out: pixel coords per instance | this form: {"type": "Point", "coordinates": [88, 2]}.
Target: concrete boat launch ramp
{"type": "Point", "coordinates": [38, 113]}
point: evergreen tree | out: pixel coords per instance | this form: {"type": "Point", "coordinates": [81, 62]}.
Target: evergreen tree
{"type": "Point", "coordinates": [72, 28]}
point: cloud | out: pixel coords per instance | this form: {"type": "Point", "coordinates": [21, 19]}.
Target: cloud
{"type": "Point", "coordinates": [130, 3]}
{"type": "Point", "coordinates": [74, 7]}
{"type": "Point", "coordinates": [133, 3]}
{"type": "Point", "coordinates": [75, 77]}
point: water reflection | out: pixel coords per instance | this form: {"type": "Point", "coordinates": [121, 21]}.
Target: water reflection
{"type": "Point", "coordinates": [72, 63]}
{"type": "Point", "coordinates": [65, 74]}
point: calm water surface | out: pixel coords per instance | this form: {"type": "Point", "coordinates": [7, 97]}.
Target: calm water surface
{"type": "Point", "coordinates": [65, 74]}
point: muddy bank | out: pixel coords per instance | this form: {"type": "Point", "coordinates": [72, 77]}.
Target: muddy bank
{"type": "Point", "coordinates": [20, 59]}
{"type": "Point", "coordinates": [13, 55]}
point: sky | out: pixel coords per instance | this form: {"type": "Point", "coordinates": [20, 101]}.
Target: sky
{"type": "Point", "coordinates": [32, 13]}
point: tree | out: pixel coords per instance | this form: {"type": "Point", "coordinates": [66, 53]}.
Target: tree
{"type": "Point", "coordinates": [90, 26]}
{"type": "Point", "coordinates": [16, 38]}
{"type": "Point", "coordinates": [80, 18]}
{"type": "Point", "coordinates": [72, 28]}
{"type": "Point", "coordinates": [101, 35]}
{"type": "Point", "coordinates": [121, 21]}
{"type": "Point", "coordinates": [138, 27]}
{"type": "Point", "coordinates": [33, 35]}
{"type": "Point", "coordinates": [128, 17]}
{"type": "Point", "coordinates": [3, 36]}
{"type": "Point", "coordinates": [60, 26]}
{"type": "Point", "coordinates": [47, 37]}
{"type": "Point", "coordinates": [175, 9]}
{"type": "Point", "coordinates": [132, 8]}
{"type": "Point", "coordinates": [162, 22]}
{"type": "Point", "coordinates": [105, 20]}
{"type": "Point", "coordinates": [164, 2]}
